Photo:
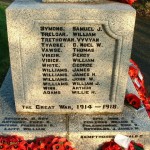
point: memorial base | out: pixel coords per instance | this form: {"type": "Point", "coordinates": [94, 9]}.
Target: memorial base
{"type": "Point", "coordinates": [84, 131]}
{"type": "Point", "coordinates": [28, 126]}
{"type": "Point", "coordinates": [92, 130]}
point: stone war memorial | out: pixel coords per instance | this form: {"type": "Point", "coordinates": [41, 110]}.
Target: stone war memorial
{"type": "Point", "coordinates": [69, 72]}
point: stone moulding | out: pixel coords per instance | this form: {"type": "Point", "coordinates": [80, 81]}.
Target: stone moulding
{"type": "Point", "coordinates": [109, 32]}
{"type": "Point", "coordinates": [116, 21]}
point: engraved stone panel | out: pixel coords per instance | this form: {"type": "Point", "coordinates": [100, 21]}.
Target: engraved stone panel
{"type": "Point", "coordinates": [65, 62]}
{"type": "Point", "coordinates": [28, 126]}
{"type": "Point", "coordinates": [96, 129]}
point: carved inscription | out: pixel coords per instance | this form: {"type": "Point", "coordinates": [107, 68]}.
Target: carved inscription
{"type": "Point", "coordinates": [54, 74]}
{"type": "Point", "coordinates": [108, 136]}
{"type": "Point", "coordinates": [75, 68]}
{"type": "Point", "coordinates": [109, 123]}
{"type": "Point", "coordinates": [26, 124]}
{"type": "Point", "coordinates": [82, 76]}
{"type": "Point", "coordinates": [80, 42]}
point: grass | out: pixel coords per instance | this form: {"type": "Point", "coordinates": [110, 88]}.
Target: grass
{"type": "Point", "coordinates": [4, 51]}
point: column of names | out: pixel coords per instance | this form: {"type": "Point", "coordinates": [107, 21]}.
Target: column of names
{"type": "Point", "coordinates": [83, 41]}
{"type": "Point", "coordinates": [53, 74]}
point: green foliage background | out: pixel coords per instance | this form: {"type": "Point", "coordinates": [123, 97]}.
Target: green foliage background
{"type": "Point", "coordinates": [4, 51]}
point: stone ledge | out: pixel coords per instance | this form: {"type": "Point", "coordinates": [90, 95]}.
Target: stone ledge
{"type": "Point", "coordinates": [28, 126]}
{"type": "Point", "coordinates": [82, 130]}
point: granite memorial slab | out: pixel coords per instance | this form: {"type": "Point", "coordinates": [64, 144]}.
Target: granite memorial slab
{"type": "Point", "coordinates": [97, 129]}
{"type": "Point", "coordinates": [69, 58]}
{"type": "Point", "coordinates": [131, 88]}
{"type": "Point", "coordinates": [28, 126]}
{"type": "Point", "coordinates": [82, 130]}
{"type": "Point", "coordinates": [94, 130]}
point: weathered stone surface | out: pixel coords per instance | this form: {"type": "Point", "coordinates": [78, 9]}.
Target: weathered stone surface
{"type": "Point", "coordinates": [28, 126]}
{"type": "Point", "coordinates": [83, 130]}
{"type": "Point", "coordinates": [96, 129]}
{"type": "Point", "coordinates": [131, 88]}
{"type": "Point", "coordinates": [67, 36]}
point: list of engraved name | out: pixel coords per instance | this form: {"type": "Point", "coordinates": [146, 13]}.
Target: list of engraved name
{"type": "Point", "coordinates": [58, 44]}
